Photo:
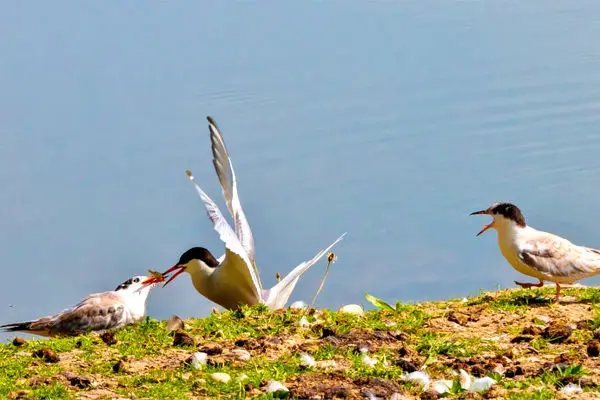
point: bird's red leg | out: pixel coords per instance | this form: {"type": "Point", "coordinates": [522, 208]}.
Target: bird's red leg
{"type": "Point", "coordinates": [530, 285]}
{"type": "Point", "coordinates": [556, 298]}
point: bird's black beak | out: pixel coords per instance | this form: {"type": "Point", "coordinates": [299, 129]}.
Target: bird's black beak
{"type": "Point", "coordinates": [480, 212]}
{"type": "Point", "coordinates": [488, 226]}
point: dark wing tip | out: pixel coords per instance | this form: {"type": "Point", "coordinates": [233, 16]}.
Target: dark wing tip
{"type": "Point", "coordinates": [17, 326]}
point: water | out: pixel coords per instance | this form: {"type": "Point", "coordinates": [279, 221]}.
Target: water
{"type": "Point", "coordinates": [392, 121]}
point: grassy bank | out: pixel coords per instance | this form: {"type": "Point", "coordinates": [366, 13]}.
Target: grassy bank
{"type": "Point", "coordinates": [529, 346]}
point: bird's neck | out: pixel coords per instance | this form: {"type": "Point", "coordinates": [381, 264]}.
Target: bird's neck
{"type": "Point", "coordinates": [509, 232]}
{"type": "Point", "coordinates": [136, 303]}
{"type": "Point", "coordinates": [200, 275]}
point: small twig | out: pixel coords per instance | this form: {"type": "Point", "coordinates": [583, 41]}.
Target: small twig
{"type": "Point", "coordinates": [331, 257]}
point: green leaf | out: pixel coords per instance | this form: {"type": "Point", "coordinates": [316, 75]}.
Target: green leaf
{"type": "Point", "coordinates": [378, 302]}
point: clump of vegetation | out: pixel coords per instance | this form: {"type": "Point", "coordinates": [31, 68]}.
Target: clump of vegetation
{"type": "Point", "coordinates": [530, 347]}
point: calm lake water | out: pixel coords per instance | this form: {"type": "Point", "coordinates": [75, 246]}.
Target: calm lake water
{"type": "Point", "coordinates": [389, 120]}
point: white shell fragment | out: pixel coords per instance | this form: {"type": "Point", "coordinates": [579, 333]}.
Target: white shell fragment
{"type": "Point", "coordinates": [442, 386]}
{"type": "Point", "coordinates": [571, 388]}
{"type": "Point", "coordinates": [482, 384]}
{"type": "Point", "coordinates": [418, 377]}
{"type": "Point", "coordinates": [307, 361]}
{"type": "Point", "coordinates": [199, 360]}
{"type": "Point", "coordinates": [368, 361]}
{"type": "Point", "coordinates": [352, 309]}
{"type": "Point", "coordinates": [303, 322]}
{"type": "Point", "coordinates": [465, 379]}
{"type": "Point", "coordinates": [274, 387]}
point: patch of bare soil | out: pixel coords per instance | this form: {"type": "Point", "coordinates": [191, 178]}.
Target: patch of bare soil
{"type": "Point", "coordinates": [338, 386]}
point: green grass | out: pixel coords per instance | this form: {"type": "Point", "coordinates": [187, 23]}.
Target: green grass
{"type": "Point", "coordinates": [154, 368]}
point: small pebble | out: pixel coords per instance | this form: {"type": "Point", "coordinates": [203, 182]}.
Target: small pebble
{"type": "Point", "coordinates": [482, 384]}
{"type": "Point", "coordinates": [545, 319]}
{"type": "Point", "coordinates": [352, 309]}
{"type": "Point", "coordinates": [241, 354]}
{"type": "Point", "coordinates": [275, 387]}
{"type": "Point", "coordinates": [298, 305]}
{"type": "Point", "coordinates": [499, 369]}
{"type": "Point", "coordinates": [571, 388]}
{"type": "Point", "coordinates": [220, 377]}
{"type": "Point", "coordinates": [18, 341]}
{"type": "Point", "coordinates": [46, 354]}
{"type": "Point", "coordinates": [199, 360]}
{"type": "Point", "coordinates": [368, 394]}
{"type": "Point", "coordinates": [182, 339]}
{"type": "Point", "coordinates": [174, 324]}
{"type": "Point", "coordinates": [307, 361]}
{"type": "Point", "coordinates": [109, 338]}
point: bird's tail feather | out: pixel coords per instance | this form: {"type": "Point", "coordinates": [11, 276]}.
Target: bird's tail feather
{"type": "Point", "coordinates": [278, 295]}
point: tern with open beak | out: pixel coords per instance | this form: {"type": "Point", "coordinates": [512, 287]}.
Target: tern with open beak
{"type": "Point", "coordinates": [99, 311]}
{"type": "Point", "coordinates": [232, 280]}
{"type": "Point", "coordinates": [539, 254]}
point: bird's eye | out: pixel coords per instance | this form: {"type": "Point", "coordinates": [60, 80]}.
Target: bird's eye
{"type": "Point", "coordinates": [136, 280]}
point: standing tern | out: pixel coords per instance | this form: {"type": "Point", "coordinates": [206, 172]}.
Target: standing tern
{"type": "Point", "coordinates": [232, 280]}
{"type": "Point", "coordinates": [539, 254]}
{"type": "Point", "coordinates": [98, 311]}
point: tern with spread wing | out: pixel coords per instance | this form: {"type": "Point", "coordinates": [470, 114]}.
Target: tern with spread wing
{"type": "Point", "coordinates": [99, 311]}
{"type": "Point", "coordinates": [539, 254]}
{"type": "Point", "coordinates": [232, 280]}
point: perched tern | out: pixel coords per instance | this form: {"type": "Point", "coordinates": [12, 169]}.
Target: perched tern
{"type": "Point", "coordinates": [539, 254]}
{"type": "Point", "coordinates": [231, 280]}
{"type": "Point", "coordinates": [98, 311]}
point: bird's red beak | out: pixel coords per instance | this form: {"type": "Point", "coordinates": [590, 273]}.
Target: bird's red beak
{"type": "Point", "coordinates": [488, 226]}
{"type": "Point", "coordinates": [152, 280]}
{"type": "Point", "coordinates": [178, 268]}
{"type": "Point", "coordinates": [158, 277]}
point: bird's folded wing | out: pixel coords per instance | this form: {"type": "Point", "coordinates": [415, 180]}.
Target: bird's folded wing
{"type": "Point", "coordinates": [96, 312]}
{"type": "Point", "coordinates": [233, 247]}
{"type": "Point", "coordinates": [278, 295]}
{"type": "Point", "coordinates": [556, 256]}
{"type": "Point", "coordinates": [226, 175]}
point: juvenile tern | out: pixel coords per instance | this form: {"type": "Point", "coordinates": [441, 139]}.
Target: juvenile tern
{"type": "Point", "coordinates": [232, 280]}
{"type": "Point", "coordinates": [98, 311]}
{"type": "Point", "coordinates": [539, 254]}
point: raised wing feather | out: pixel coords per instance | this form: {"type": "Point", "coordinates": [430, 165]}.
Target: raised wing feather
{"type": "Point", "coordinates": [278, 296]}
{"type": "Point", "coordinates": [224, 167]}
{"type": "Point", "coordinates": [552, 255]}
{"type": "Point", "coordinates": [233, 247]}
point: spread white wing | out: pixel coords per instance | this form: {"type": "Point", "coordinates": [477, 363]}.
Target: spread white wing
{"type": "Point", "coordinates": [226, 175]}
{"type": "Point", "coordinates": [555, 256]}
{"type": "Point", "coordinates": [235, 267]}
{"type": "Point", "coordinates": [278, 295]}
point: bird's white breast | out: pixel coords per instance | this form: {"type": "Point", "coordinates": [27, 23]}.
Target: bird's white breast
{"type": "Point", "coordinates": [508, 241]}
